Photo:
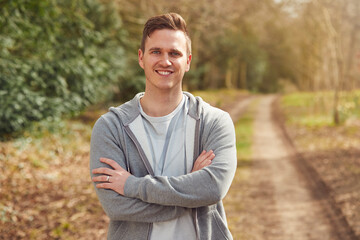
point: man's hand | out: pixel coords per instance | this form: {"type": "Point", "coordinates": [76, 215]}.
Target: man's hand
{"type": "Point", "coordinates": [203, 160]}
{"type": "Point", "coordinates": [113, 179]}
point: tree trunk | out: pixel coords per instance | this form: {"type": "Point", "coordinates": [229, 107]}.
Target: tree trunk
{"type": "Point", "coordinates": [229, 73]}
{"type": "Point", "coordinates": [337, 62]}
{"type": "Point", "coordinates": [243, 73]}
{"type": "Point", "coordinates": [352, 46]}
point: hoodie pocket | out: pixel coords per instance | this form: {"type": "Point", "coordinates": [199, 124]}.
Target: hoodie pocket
{"type": "Point", "coordinates": [221, 225]}
{"type": "Point", "coordinates": [121, 231]}
{"type": "Point", "coordinates": [212, 226]}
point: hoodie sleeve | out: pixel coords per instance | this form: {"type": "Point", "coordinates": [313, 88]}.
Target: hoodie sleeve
{"type": "Point", "coordinates": [104, 143]}
{"type": "Point", "coordinates": [201, 188]}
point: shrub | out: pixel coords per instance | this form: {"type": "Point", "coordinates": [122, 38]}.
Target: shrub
{"type": "Point", "coordinates": [56, 57]}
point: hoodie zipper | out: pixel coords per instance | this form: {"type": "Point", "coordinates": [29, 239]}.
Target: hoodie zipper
{"type": "Point", "coordinates": [151, 172]}
{"type": "Point", "coordinates": [196, 154]}
{"type": "Point", "coordinates": [141, 151]}
{"type": "Point", "coordinates": [146, 163]}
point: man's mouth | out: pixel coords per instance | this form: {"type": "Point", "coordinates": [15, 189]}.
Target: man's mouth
{"type": "Point", "coordinates": [163, 73]}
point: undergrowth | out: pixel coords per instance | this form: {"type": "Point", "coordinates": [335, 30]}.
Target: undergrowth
{"type": "Point", "coordinates": [316, 109]}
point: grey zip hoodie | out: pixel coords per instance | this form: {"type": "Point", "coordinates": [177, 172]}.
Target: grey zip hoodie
{"type": "Point", "coordinates": [148, 198]}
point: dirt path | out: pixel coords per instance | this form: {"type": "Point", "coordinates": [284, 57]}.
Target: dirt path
{"type": "Point", "coordinates": [236, 110]}
{"type": "Point", "coordinates": [296, 213]}
{"type": "Point", "coordinates": [279, 201]}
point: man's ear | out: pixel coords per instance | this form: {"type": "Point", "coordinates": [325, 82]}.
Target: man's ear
{"type": "Point", "coordinates": [188, 61]}
{"type": "Point", "coordinates": [141, 55]}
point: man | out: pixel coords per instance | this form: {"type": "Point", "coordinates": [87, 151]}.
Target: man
{"type": "Point", "coordinates": [163, 161]}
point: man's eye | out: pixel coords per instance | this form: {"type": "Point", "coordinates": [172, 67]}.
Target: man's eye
{"type": "Point", "coordinates": [175, 54]}
{"type": "Point", "coordinates": [155, 52]}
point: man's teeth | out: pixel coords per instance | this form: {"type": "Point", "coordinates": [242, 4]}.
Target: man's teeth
{"type": "Point", "coordinates": [163, 72]}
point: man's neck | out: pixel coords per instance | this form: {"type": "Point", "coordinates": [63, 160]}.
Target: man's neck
{"type": "Point", "coordinates": [161, 103]}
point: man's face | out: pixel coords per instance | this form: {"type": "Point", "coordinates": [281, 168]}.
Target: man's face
{"type": "Point", "coordinates": [164, 60]}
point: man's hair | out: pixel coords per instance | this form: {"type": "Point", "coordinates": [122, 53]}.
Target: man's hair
{"type": "Point", "coordinates": [172, 21]}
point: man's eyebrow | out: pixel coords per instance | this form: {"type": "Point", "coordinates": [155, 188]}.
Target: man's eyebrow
{"type": "Point", "coordinates": [158, 49]}
{"type": "Point", "coordinates": [175, 50]}
{"type": "Point", "coordinates": [154, 49]}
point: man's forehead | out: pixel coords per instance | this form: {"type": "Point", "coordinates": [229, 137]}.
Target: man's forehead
{"type": "Point", "coordinates": [168, 31]}
{"type": "Point", "coordinates": [166, 37]}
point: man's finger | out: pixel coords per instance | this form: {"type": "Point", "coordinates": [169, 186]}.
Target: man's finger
{"type": "Point", "coordinates": [208, 154]}
{"type": "Point", "coordinates": [201, 156]}
{"type": "Point", "coordinates": [106, 171]}
{"type": "Point", "coordinates": [111, 162]}
{"type": "Point", "coordinates": [206, 163]}
{"type": "Point", "coordinates": [205, 156]}
{"type": "Point", "coordinates": [104, 185]}
{"type": "Point", "coordinates": [202, 153]}
{"type": "Point", "coordinates": [102, 178]}
{"type": "Point", "coordinates": [211, 157]}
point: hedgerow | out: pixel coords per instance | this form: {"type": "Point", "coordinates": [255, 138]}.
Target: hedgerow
{"type": "Point", "coordinates": [56, 58]}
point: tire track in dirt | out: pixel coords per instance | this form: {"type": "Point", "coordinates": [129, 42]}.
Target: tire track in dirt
{"type": "Point", "coordinates": [282, 204]}
{"type": "Point", "coordinates": [340, 226]}
{"type": "Point", "coordinates": [296, 214]}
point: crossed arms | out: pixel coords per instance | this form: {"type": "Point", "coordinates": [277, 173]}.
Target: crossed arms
{"type": "Point", "coordinates": [161, 198]}
{"type": "Point", "coordinates": [115, 178]}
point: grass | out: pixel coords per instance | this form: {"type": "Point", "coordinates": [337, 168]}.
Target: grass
{"type": "Point", "coordinates": [233, 201]}
{"type": "Point", "coordinates": [332, 150]}
{"type": "Point", "coordinates": [220, 97]}
{"type": "Point", "coordinates": [312, 111]}
{"type": "Point", "coordinates": [315, 109]}
{"type": "Point", "coordinates": [244, 129]}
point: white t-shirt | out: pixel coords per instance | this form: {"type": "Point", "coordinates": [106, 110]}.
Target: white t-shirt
{"type": "Point", "coordinates": [166, 138]}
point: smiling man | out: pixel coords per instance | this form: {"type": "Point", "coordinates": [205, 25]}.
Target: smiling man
{"type": "Point", "coordinates": [162, 162]}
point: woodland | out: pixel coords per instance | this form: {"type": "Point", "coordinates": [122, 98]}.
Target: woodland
{"type": "Point", "coordinates": [63, 63]}
{"type": "Point", "coordinates": [59, 57]}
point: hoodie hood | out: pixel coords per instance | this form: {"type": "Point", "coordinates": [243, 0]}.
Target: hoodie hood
{"type": "Point", "coordinates": [129, 111]}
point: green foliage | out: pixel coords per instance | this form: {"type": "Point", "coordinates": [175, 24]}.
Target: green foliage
{"type": "Point", "coordinates": [244, 131]}
{"type": "Point", "coordinates": [308, 109]}
{"type": "Point", "coordinates": [314, 109]}
{"type": "Point", "coordinates": [131, 85]}
{"type": "Point", "coordinates": [132, 80]}
{"type": "Point", "coordinates": [300, 99]}
{"type": "Point", "coordinates": [255, 58]}
{"type": "Point", "coordinates": [230, 46]}
{"type": "Point", "coordinates": [244, 128]}
{"type": "Point", "coordinates": [56, 57]}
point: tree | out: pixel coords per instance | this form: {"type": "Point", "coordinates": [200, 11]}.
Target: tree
{"type": "Point", "coordinates": [56, 58]}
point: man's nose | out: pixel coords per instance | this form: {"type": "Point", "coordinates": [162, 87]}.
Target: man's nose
{"type": "Point", "coordinates": [165, 60]}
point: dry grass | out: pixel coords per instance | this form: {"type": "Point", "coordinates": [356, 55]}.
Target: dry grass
{"type": "Point", "coordinates": [46, 192]}
{"type": "Point", "coordinates": [220, 98]}
{"type": "Point", "coordinates": [45, 187]}
{"type": "Point", "coordinates": [236, 201]}
{"type": "Point", "coordinates": [332, 150]}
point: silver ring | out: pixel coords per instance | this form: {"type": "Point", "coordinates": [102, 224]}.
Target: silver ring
{"type": "Point", "coordinates": [107, 179]}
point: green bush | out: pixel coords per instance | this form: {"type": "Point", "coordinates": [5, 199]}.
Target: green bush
{"type": "Point", "coordinates": [56, 57]}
